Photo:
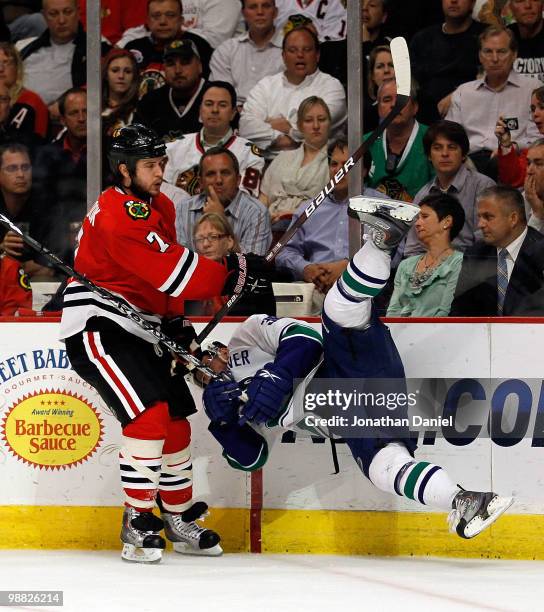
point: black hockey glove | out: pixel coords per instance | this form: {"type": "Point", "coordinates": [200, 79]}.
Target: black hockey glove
{"type": "Point", "coordinates": [179, 329]}
{"type": "Point", "coordinates": [249, 273]}
{"type": "Point", "coordinates": [182, 331]}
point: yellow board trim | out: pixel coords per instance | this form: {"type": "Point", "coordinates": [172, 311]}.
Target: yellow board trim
{"type": "Point", "coordinates": [97, 528]}
{"type": "Point", "coordinates": [514, 536]}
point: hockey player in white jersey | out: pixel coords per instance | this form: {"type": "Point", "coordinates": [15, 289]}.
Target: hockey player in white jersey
{"type": "Point", "coordinates": [265, 355]}
{"type": "Point", "coordinates": [217, 111]}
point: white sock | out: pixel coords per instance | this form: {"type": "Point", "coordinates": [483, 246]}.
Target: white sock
{"type": "Point", "coordinates": [394, 470]}
{"type": "Point", "coordinates": [348, 302]}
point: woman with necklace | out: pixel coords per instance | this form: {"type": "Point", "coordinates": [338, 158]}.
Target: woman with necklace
{"type": "Point", "coordinates": [425, 284]}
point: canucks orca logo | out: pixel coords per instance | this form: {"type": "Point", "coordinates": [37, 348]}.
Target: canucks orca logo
{"type": "Point", "coordinates": [137, 209]}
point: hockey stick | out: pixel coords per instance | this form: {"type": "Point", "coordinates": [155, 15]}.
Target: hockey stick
{"type": "Point", "coordinates": [401, 61]}
{"type": "Point", "coordinates": [191, 361]}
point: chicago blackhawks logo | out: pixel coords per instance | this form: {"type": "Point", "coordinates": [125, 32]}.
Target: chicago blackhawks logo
{"type": "Point", "coordinates": [24, 281]}
{"type": "Point", "coordinates": [52, 429]}
{"type": "Point", "coordinates": [188, 180]}
{"type": "Point", "coordinates": [137, 209]}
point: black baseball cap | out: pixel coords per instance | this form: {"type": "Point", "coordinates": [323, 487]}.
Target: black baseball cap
{"type": "Point", "coordinates": [185, 48]}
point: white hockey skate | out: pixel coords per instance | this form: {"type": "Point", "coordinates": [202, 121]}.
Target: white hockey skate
{"type": "Point", "coordinates": [187, 537]}
{"type": "Point", "coordinates": [474, 511]}
{"type": "Point", "coordinates": [390, 220]}
{"type": "Point", "coordinates": [140, 536]}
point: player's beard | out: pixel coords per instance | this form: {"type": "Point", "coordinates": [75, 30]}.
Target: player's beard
{"type": "Point", "coordinates": [138, 190]}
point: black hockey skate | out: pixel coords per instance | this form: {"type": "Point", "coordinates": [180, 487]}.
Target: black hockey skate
{"type": "Point", "coordinates": [140, 536]}
{"type": "Point", "coordinates": [187, 537]}
{"type": "Point", "coordinates": [389, 220]}
{"type": "Point", "coordinates": [474, 511]}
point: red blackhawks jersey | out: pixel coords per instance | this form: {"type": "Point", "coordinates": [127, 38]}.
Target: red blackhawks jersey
{"type": "Point", "coordinates": [128, 246]}
{"type": "Point", "coordinates": [15, 290]}
{"type": "Point", "coordinates": [184, 156]}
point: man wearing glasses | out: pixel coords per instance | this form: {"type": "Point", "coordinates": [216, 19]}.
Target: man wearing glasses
{"type": "Point", "coordinates": [24, 206]}
{"type": "Point", "coordinates": [476, 105]}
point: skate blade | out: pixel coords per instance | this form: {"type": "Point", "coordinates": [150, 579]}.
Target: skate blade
{"type": "Point", "coordinates": [134, 554]}
{"type": "Point", "coordinates": [186, 549]}
{"type": "Point", "coordinates": [496, 507]}
{"type": "Point", "coordinates": [394, 208]}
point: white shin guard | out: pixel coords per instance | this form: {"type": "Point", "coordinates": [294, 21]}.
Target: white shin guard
{"type": "Point", "coordinates": [394, 470]}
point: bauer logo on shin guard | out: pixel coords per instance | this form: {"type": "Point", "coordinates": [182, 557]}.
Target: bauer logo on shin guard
{"type": "Point", "coordinates": [137, 209]}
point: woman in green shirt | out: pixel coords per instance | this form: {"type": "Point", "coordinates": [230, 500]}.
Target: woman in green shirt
{"type": "Point", "coordinates": [425, 284]}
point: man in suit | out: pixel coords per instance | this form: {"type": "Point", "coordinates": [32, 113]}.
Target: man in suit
{"type": "Point", "coordinates": [502, 275]}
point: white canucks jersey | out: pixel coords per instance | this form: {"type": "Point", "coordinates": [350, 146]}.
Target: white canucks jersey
{"type": "Point", "coordinates": [184, 156]}
{"type": "Point", "coordinates": [328, 16]}
{"type": "Point", "coordinates": [255, 343]}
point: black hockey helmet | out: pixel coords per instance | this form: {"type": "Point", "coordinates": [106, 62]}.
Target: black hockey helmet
{"type": "Point", "coordinates": [134, 142]}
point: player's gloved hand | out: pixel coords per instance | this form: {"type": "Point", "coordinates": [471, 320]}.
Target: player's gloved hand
{"type": "Point", "coordinates": [182, 331]}
{"type": "Point", "coordinates": [179, 329]}
{"type": "Point", "coordinates": [266, 393]}
{"type": "Point", "coordinates": [246, 273]}
{"type": "Point", "coordinates": [221, 399]}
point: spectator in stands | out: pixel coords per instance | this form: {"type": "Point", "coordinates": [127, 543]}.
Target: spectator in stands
{"type": "Point", "coordinates": [534, 184]}
{"type": "Point", "coordinates": [444, 56]}
{"type": "Point", "coordinates": [299, 175]}
{"type": "Point", "coordinates": [477, 105]}
{"type": "Point", "coordinates": [15, 289]}
{"type": "Point", "coordinates": [116, 16]}
{"type": "Point", "coordinates": [329, 18]}
{"type": "Point", "coordinates": [503, 274]}
{"type": "Point", "coordinates": [23, 202]}
{"type": "Point", "coordinates": [245, 60]}
{"type": "Point", "coordinates": [29, 113]}
{"type": "Point", "coordinates": [399, 165]}
{"type": "Point", "coordinates": [380, 69]}
{"type": "Point", "coordinates": [164, 22]}
{"type": "Point", "coordinates": [56, 61]}
{"type": "Point", "coordinates": [212, 20]}
{"type": "Point", "coordinates": [217, 112]}
{"type": "Point", "coordinates": [529, 33]}
{"type": "Point", "coordinates": [318, 253]}
{"type": "Point", "coordinates": [120, 84]}
{"type": "Point", "coordinates": [219, 175]}
{"type": "Point", "coordinates": [269, 114]}
{"type": "Point", "coordinates": [446, 145]}
{"type": "Point", "coordinates": [61, 170]}
{"type": "Point", "coordinates": [214, 238]}
{"type": "Point", "coordinates": [373, 18]}
{"type": "Point", "coordinates": [173, 110]}
{"type": "Point", "coordinates": [512, 161]}
{"type": "Point", "coordinates": [425, 284]}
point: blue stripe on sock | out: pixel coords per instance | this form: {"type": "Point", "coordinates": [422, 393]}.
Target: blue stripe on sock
{"type": "Point", "coordinates": [369, 279]}
{"type": "Point", "coordinates": [424, 482]}
{"type": "Point", "coordinates": [346, 295]}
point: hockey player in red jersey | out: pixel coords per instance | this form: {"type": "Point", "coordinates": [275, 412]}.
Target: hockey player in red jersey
{"type": "Point", "coordinates": [127, 245]}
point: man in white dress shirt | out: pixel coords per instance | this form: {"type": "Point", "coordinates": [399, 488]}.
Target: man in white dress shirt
{"type": "Point", "coordinates": [269, 115]}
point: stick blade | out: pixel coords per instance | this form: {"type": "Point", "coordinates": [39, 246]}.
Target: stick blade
{"type": "Point", "coordinates": [401, 61]}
